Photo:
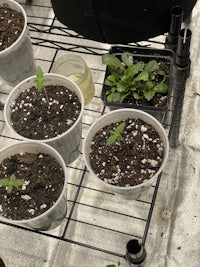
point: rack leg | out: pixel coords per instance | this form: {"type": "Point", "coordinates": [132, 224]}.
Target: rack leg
{"type": "Point", "coordinates": [135, 253]}
{"type": "Point", "coordinates": [29, 1]}
{"type": "Point", "coordinates": [181, 73]}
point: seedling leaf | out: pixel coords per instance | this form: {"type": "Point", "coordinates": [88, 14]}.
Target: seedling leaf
{"type": "Point", "coordinates": [151, 66]}
{"type": "Point", "coordinates": [131, 71]}
{"type": "Point", "coordinates": [161, 88]}
{"type": "Point", "coordinates": [127, 58]}
{"type": "Point", "coordinates": [39, 78]}
{"type": "Point", "coordinates": [111, 60]}
{"type": "Point", "coordinates": [116, 134]}
{"type": "Point", "coordinates": [11, 182]}
{"type": "Point", "coordinates": [149, 95]}
{"type": "Point", "coordinates": [143, 76]}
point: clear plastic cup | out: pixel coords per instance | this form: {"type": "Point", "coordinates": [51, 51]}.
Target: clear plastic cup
{"type": "Point", "coordinates": [75, 68]}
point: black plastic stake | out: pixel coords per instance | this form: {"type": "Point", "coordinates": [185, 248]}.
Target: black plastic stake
{"type": "Point", "coordinates": [182, 58]}
{"type": "Point", "coordinates": [135, 253]}
{"type": "Point", "coordinates": [175, 28]}
{"type": "Point", "coordinates": [181, 73]}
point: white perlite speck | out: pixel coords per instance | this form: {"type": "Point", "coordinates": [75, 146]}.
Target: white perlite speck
{"type": "Point", "coordinates": [25, 197]}
{"type": "Point", "coordinates": [69, 122]}
{"type": "Point", "coordinates": [152, 162]}
{"type": "Point", "coordinates": [143, 161]}
{"type": "Point", "coordinates": [25, 184]}
{"type": "Point", "coordinates": [31, 211]}
{"type": "Point", "coordinates": [23, 187]}
{"type": "Point", "coordinates": [143, 128]}
{"type": "Point", "coordinates": [43, 206]}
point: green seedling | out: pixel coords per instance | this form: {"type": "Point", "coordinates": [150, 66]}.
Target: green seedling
{"type": "Point", "coordinates": [140, 80]}
{"type": "Point", "coordinates": [116, 134]}
{"type": "Point", "coordinates": [40, 80]}
{"type": "Point", "coordinates": [113, 265]}
{"type": "Point", "coordinates": [11, 182]}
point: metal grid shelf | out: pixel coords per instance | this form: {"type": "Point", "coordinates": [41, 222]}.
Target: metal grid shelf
{"type": "Point", "coordinates": [98, 224]}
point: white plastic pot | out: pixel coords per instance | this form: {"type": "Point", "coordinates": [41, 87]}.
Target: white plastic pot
{"type": "Point", "coordinates": [67, 144]}
{"type": "Point", "coordinates": [54, 215]}
{"type": "Point", "coordinates": [132, 192]}
{"type": "Point", "coordinates": [17, 62]}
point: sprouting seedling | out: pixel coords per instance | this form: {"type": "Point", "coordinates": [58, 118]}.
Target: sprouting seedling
{"type": "Point", "coordinates": [116, 134]}
{"type": "Point", "coordinates": [40, 80]}
{"type": "Point", "coordinates": [113, 265]}
{"type": "Point", "coordinates": [11, 182]}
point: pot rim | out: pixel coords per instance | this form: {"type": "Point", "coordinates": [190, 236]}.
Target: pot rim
{"type": "Point", "coordinates": [89, 137]}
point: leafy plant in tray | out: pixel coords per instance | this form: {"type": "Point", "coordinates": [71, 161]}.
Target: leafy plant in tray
{"type": "Point", "coordinates": [137, 78]}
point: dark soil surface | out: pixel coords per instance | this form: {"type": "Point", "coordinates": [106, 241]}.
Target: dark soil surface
{"type": "Point", "coordinates": [128, 162]}
{"type": "Point", "coordinates": [35, 117]}
{"type": "Point", "coordinates": [43, 182]}
{"type": "Point", "coordinates": [158, 101]}
{"type": "Point", "coordinates": [11, 26]}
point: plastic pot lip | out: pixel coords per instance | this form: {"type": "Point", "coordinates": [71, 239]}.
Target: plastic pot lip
{"type": "Point", "coordinates": [62, 163]}
{"type": "Point", "coordinates": [25, 23]}
{"type": "Point", "coordinates": [47, 75]}
{"type": "Point", "coordinates": [131, 111]}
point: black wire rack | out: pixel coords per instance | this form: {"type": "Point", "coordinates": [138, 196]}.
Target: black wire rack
{"type": "Point", "coordinates": [96, 220]}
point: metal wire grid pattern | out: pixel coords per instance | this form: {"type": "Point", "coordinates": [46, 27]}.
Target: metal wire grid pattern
{"type": "Point", "coordinates": [96, 220]}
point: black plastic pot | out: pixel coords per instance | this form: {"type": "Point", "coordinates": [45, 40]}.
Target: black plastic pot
{"type": "Point", "coordinates": [116, 21]}
{"type": "Point", "coordinates": [144, 54]}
